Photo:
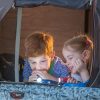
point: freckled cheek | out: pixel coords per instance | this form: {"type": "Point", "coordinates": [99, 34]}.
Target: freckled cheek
{"type": "Point", "coordinates": [44, 65]}
{"type": "Point", "coordinates": [47, 65]}
{"type": "Point", "coordinates": [32, 67]}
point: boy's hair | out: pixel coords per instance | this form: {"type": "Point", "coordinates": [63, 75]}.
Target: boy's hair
{"type": "Point", "coordinates": [39, 43]}
{"type": "Point", "coordinates": [80, 43]}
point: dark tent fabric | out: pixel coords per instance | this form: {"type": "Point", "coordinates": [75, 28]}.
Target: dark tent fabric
{"type": "Point", "coordinates": [62, 3]}
{"type": "Point", "coordinates": [95, 32]}
{"type": "Point", "coordinates": [7, 62]}
{"type": "Point", "coordinates": [5, 5]}
{"type": "Point", "coordinates": [95, 77]}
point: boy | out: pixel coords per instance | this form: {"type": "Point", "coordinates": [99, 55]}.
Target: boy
{"type": "Point", "coordinates": [41, 60]}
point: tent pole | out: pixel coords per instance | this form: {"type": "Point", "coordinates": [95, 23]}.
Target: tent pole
{"type": "Point", "coordinates": [17, 44]}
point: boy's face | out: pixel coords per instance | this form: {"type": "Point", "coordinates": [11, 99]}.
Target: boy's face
{"type": "Point", "coordinates": [40, 63]}
{"type": "Point", "coordinates": [71, 56]}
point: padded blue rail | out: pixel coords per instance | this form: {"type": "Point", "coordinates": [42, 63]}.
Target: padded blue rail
{"type": "Point", "coordinates": [33, 91]}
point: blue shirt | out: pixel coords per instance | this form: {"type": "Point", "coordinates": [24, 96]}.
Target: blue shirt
{"type": "Point", "coordinates": [79, 84]}
{"type": "Point", "coordinates": [57, 69]}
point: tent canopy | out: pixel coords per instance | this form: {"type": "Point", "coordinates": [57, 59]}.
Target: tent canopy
{"type": "Point", "coordinates": [62, 3]}
{"type": "Point", "coordinates": [5, 5]}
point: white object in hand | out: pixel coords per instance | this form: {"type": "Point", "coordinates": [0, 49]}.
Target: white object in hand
{"type": "Point", "coordinates": [39, 80]}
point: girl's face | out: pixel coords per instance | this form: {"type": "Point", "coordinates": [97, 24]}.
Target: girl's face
{"type": "Point", "coordinates": [74, 59]}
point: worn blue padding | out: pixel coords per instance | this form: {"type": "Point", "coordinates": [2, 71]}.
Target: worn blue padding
{"type": "Point", "coordinates": [34, 91]}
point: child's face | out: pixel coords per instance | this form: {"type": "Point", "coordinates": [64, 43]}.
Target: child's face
{"type": "Point", "coordinates": [40, 63]}
{"type": "Point", "coordinates": [72, 57]}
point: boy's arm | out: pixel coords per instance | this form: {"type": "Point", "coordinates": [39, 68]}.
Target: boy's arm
{"type": "Point", "coordinates": [26, 71]}
{"type": "Point", "coordinates": [45, 75]}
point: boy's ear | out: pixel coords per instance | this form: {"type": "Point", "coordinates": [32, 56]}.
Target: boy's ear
{"type": "Point", "coordinates": [85, 55]}
{"type": "Point", "coordinates": [52, 55]}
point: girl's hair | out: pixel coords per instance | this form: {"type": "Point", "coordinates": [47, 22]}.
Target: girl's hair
{"type": "Point", "coordinates": [81, 43]}
{"type": "Point", "coordinates": [38, 43]}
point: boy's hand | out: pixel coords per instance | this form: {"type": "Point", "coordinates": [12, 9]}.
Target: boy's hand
{"type": "Point", "coordinates": [33, 77]}
{"type": "Point", "coordinates": [43, 75]}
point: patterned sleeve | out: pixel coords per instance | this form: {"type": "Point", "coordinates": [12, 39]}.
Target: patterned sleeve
{"type": "Point", "coordinates": [60, 70]}
{"type": "Point", "coordinates": [27, 70]}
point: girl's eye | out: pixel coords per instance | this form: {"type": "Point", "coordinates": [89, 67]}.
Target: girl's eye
{"type": "Point", "coordinates": [70, 58]}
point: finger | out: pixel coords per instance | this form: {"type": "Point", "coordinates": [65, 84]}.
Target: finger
{"type": "Point", "coordinates": [41, 75]}
{"type": "Point", "coordinates": [34, 72]}
{"type": "Point", "coordinates": [68, 81]}
{"type": "Point", "coordinates": [71, 80]}
{"type": "Point", "coordinates": [79, 61]}
{"type": "Point", "coordinates": [32, 79]}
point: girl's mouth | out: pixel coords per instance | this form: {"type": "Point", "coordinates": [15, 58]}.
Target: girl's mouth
{"type": "Point", "coordinates": [70, 68]}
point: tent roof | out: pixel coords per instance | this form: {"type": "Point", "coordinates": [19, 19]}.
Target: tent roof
{"type": "Point", "coordinates": [5, 5]}
{"type": "Point", "coordinates": [61, 3]}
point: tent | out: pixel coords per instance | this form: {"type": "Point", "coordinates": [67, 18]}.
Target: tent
{"type": "Point", "coordinates": [93, 5]}
{"type": "Point", "coordinates": [5, 5]}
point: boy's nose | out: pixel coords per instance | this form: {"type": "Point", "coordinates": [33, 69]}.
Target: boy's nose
{"type": "Point", "coordinates": [38, 67]}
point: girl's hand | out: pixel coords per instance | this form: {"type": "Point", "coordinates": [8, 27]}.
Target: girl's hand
{"type": "Point", "coordinates": [78, 66]}
{"type": "Point", "coordinates": [71, 80]}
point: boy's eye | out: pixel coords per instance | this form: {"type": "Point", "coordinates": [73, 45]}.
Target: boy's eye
{"type": "Point", "coordinates": [43, 60]}
{"type": "Point", "coordinates": [32, 62]}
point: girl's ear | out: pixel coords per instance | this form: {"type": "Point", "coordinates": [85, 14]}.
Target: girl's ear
{"type": "Point", "coordinates": [86, 55]}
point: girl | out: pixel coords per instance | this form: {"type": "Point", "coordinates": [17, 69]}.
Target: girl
{"type": "Point", "coordinates": [78, 54]}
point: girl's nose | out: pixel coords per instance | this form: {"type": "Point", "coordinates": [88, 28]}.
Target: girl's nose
{"type": "Point", "coordinates": [68, 63]}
